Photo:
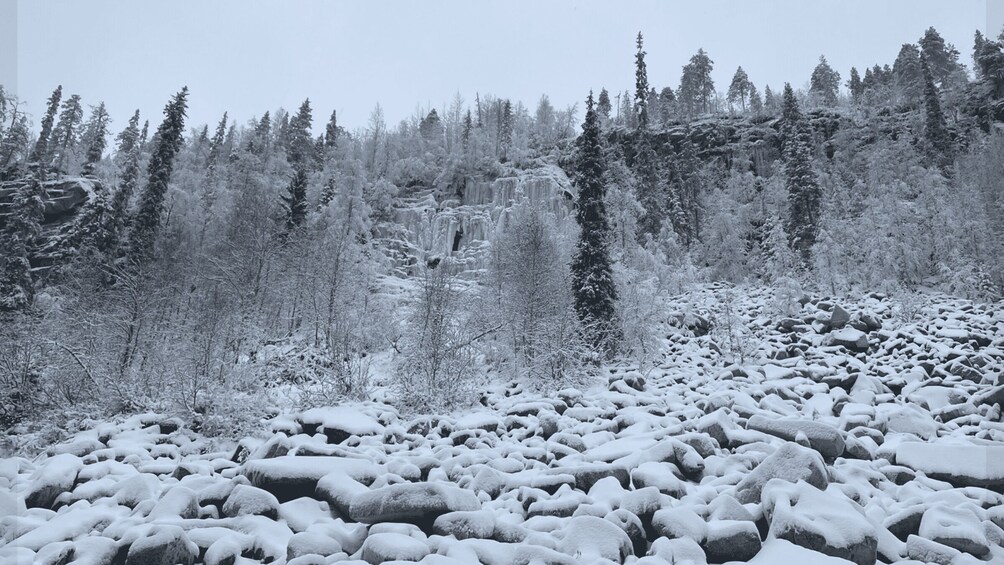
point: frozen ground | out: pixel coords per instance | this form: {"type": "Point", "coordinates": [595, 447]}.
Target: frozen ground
{"type": "Point", "coordinates": [854, 431]}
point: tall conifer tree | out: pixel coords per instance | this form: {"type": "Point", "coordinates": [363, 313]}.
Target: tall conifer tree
{"type": "Point", "coordinates": [41, 151]}
{"type": "Point", "coordinates": [592, 275]}
{"type": "Point", "coordinates": [168, 142]}
{"type": "Point", "coordinates": [804, 194]}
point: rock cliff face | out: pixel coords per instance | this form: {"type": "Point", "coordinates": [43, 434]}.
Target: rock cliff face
{"type": "Point", "coordinates": [726, 137]}
{"type": "Point", "coordinates": [460, 223]}
{"type": "Point", "coordinates": [63, 199]}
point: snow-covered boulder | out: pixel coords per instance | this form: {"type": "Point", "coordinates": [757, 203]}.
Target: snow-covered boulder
{"type": "Point", "coordinates": [163, 545]}
{"type": "Point", "coordinates": [850, 338]}
{"type": "Point", "coordinates": [416, 503]}
{"type": "Point", "coordinates": [970, 463]}
{"type": "Point", "coordinates": [823, 438]}
{"type": "Point", "coordinates": [247, 500]}
{"type": "Point", "coordinates": [339, 423]}
{"type": "Point", "coordinates": [826, 522]}
{"type": "Point", "coordinates": [56, 476]}
{"type": "Point", "coordinates": [791, 462]}
{"type": "Point", "coordinates": [955, 527]}
{"type": "Point", "coordinates": [311, 543]}
{"type": "Point", "coordinates": [388, 546]}
{"type": "Point", "coordinates": [290, 477]}
{"type": "Point", "coordinates": [731, 540]}
{"type": "Point", "coordinates": [477, 524]}
{"type": "Point", "coordinates": [590, 538]}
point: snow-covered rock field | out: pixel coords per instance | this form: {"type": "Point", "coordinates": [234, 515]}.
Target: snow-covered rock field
{"type": "Point", "coordinates": [852, 433]}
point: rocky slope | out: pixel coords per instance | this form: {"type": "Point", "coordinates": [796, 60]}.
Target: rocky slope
{"type": "Point", "coordinates": [863, 434]}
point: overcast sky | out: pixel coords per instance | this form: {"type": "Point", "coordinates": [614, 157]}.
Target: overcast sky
{"type": "Point", "coordinates": [247, 57]}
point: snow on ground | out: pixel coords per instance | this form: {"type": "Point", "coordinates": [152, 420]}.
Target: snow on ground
{"type": "Point", "coordinates": [851, 436]}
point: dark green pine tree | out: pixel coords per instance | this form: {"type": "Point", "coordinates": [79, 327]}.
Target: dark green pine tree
{"type": "Point", "coordinates": [804, 194]}
{"type": "Point", "coordinates": [332, 131]}
{"type": "Point", "coordinates": [93, 230]}
{"type": "Point", "coordinates": [603, 106]}
{"type": "Point", "coordinates": [40, 153]}
{"type": "Point", "coordinates": [64, 135]}
{"type": "Point", "coordinates": [258, 143]}
{"type": "Point", "coordinates": [855, 86]}
{"type": "Point", "coordinates": [506, 126]}
{"type": "Point", "coordinates": [300, 153]}
{"type": "Point", "coordinates": [685, 192]}
{"type": "Point", "coordinates": [649, 188]}
{"type": "Point", "coordinates": [167, 144]}
{"type": "Point", "coordinates": [17, 236]}
{"type": "Point", "coordinates": [938, 142]}
{"type": "Point", "coordinates": [95, 137]}
{"type": "Point", "coordinates": [468, 127]}
{"type": "Point", "coordinates": [592, 275]}
{"type": "Point", "coordinates": [641, 94]}
{"type": "Point", "coordinates": [295, 200]}
{"type": "Point", "coordinates": [825, 82]}
{"type": "Point", "coordinates": [116, 221]}
{"type": "Point", "coordinates": [328, 192]}
{"type": "Point", "coordinates": [216, 145]}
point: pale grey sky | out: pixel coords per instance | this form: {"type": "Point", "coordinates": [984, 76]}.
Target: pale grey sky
{"type": "Point", "coordinates": [247, 57]}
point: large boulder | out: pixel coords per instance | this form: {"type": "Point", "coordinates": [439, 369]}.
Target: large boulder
{"type": "Point", "coordinates": [823, 438]}
{"type": "Point", "coordinates": [338, 423]}
{"type": "Point", "coordinates": [961, 463]}
{"type": "Point", "coordinates": [791, 463]}
{"type": "Point", "coordinates": [246, 500]}
{"type": "Point", "coordinates": [290, 477]}
{"type": "Point", "coordinates": [590, 538]}
{"type": "Point", "coordinates": [477, 524]}
{"type": "Point", "coordinates": [415, 503]}
{"type": "Point", "coordinates": [827, 522]}
{"type": "Point", "coordinates": [53, 478]}
{"type": "Point", "coordinates": [731, 540]}
{"type": "Point", "coordinates": [839, 317]}
{"type": "Point", "coordinates": [850, 338]}
{"type": "Point", "coordinates": [389, 546]}
{"type": "Point", "coordinates": [955, 527]}
{"type": "Point", "coordinates": [163, 545]}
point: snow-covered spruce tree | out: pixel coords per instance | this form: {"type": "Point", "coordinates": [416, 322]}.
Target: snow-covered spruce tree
{"type": "Point", "coordinates": [592, 278]}
{"type": "Point", "coordinates": [300, 145]}
{"type": "Point", "coordinates": [146, 223]}
{"type": "Point", "coordinates": [603, 106]}
{"type": "Point", "coordinates": [685, 192]}
{"type": "Point", "coordinates": [854, 86]}
{"type": "Point", "coordinates": [640, 87]}
{"type": "Point", "coordinates": [295, 200]}
{"type": "Point", "coordinates": [825, 82]}
{"type": "Point", "coordinates": [94, 138]}
{"type": "Point", "coordinates": [756, 102]}
{"type": "Point", "coordinates": [937, 140]}
{"type": "Point", "coordinates": [332, 131]}
{"type": "Point", "coordinates": [64, 135]}
{"type": "Point", "coordinates": [804, 194]}
{"type": "Point", "coordinates": [17, 235]}
{"type": "Point", "coordinates": [15, 133]}
{"type": "Point", "coordinates": [40, 154]}
{"type": "Point", "coordinates": [769, 101]}
{"type": "Point", "coordinates": [907, 75]}
{"type": "Point", "coordinates": [108, 237]}
{"type": "Point", "coordinates": [650, 187]}
{"type": "Point", "coordinates": [505, 131]}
